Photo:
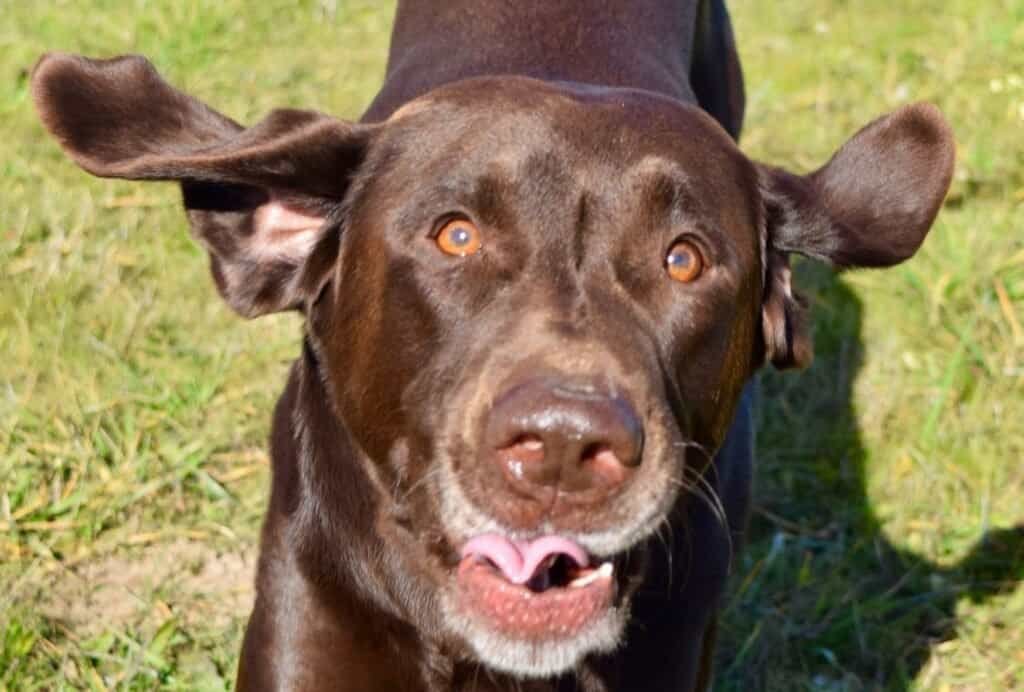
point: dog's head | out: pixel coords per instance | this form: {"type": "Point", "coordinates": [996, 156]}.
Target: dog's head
{"type": "Point", "coordinates": [534, 305]}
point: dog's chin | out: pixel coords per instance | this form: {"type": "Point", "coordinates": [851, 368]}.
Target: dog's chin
{"type": "Point", "coordinates": [528, 654]}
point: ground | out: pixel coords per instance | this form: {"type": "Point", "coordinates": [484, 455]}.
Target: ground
{"type": "Point", "coordinates": [886, 548]}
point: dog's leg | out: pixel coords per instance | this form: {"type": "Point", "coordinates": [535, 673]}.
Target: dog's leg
{"type": "Point", "coordinates": [715, 73]}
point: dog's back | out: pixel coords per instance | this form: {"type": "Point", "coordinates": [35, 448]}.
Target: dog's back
{"type": "Point", "coordinates": [683, 49]}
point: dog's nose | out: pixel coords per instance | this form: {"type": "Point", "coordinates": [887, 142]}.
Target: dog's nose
{"type": "Point", "coordinates": [557, 434]}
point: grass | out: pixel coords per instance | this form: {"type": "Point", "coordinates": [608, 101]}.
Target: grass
{"type": "Point", "coordinates": [886, 548]}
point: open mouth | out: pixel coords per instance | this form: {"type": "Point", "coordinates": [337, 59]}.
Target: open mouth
{"type": "Point", "coordinates": [542, 589]}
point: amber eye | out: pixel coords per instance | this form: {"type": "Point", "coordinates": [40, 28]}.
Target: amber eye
{"type": "Point", "coordinates": [684, 262]}
{"type": "Point", "coordinates": [459, 237]}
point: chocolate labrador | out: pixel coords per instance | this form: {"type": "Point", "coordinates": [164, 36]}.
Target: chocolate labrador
{"type": "Point", "coordinates": [537, 279]}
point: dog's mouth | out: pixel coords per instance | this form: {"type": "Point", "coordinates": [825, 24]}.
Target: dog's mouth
{"type": "Point", "coordinates": [540, 590]}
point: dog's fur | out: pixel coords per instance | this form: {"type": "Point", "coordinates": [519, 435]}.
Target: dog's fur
{"type": "Point", "coordinates": [577, 136]}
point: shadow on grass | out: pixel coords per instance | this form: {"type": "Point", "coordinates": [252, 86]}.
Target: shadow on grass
{"type": "Point", "coordinates": [822, 599]}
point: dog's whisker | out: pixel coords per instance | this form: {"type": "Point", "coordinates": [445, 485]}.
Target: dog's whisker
{"type": "Point", "coordinates": [668, 545]}
{"type": "Point", "coordinates": [421, 483]}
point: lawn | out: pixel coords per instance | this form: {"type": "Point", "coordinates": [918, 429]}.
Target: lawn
{"type": "Point", "coordinates": [887, 547]}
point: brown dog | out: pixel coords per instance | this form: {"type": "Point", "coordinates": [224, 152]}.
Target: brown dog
{"type": "Point", "coordinates": [537, 279]}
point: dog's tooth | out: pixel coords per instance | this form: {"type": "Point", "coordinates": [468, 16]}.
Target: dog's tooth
{"type": "Point", "coordinates": [602, 572]}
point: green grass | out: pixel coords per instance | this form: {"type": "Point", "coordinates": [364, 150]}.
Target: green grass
{"type": "Point", "coordinates": [134, 407]}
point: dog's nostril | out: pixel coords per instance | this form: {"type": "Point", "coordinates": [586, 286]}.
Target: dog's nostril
{"type": "Point", "coordinates": [523, 452]}
{"type": "Point", "coordinates": [591, 452]}
{"type": "Point", "coordinates": [601, 461]}
{"type": "Point", "coordinates": [529, 443]}
{"type": "Point", "coordinates": [525, 445]}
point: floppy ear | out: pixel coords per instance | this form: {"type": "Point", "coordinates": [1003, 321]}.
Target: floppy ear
{"type": "Point", "coordinates": [871, 205]}
{"type": "Point", "coordinates": [261, 200]}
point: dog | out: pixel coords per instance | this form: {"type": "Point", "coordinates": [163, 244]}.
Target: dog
{"type": "Point", "coordinates": [538, 278]}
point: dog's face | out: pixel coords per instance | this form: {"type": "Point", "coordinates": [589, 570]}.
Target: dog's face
{"type": "Point", "coordinates": [534, 305]}
{"type": "Point", "coordinates": [566, 287]}
{"type": "Point", "coordinates": [558, 297]}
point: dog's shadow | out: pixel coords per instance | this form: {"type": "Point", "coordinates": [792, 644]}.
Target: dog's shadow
{"type": "Point", "coordinates": [822, 598]}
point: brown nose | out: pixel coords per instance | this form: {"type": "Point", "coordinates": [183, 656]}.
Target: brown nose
{"type": "Point", "coordinates": [557, 434]}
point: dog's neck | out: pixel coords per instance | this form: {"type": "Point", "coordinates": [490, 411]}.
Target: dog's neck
{"type": "Point", "coordinates": [639, 44]}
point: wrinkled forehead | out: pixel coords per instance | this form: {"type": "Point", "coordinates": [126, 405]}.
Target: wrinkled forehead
{"type": "Point", "coordinates": [605, 141]}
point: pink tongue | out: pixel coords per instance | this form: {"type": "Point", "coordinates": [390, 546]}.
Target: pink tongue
{"type": "Point", "coordinates": [518, 560]}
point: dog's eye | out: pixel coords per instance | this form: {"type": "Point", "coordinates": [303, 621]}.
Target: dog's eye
{"type": "Point", "coordinates": [684, 262]}
{"type": "Point", "coordinates": [459, 237]}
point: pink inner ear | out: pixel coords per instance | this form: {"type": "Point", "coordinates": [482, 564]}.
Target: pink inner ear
{"type": "Point", "coordinates": [280, 231]}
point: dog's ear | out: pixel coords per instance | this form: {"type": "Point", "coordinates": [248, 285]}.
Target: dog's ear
{"type": "Point", "coordinates": [262, 200]}
{"type": "Point", "coordinates": [871, 205]}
